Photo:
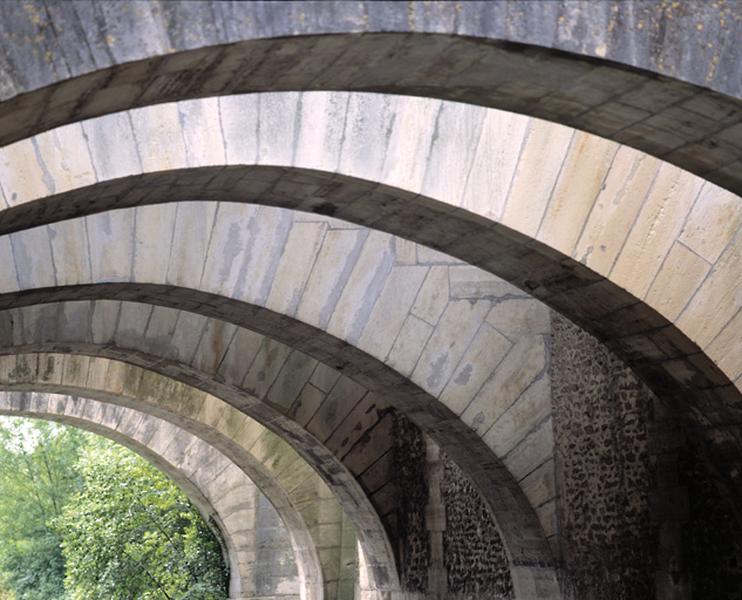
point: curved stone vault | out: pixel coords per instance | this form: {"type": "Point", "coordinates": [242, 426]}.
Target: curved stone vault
{"type": "Point", "coordinates": [603, 249]}
{"type": "Point", "coordinates": [356, 295]}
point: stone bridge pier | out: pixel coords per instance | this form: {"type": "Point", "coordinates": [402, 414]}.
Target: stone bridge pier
{"type": "Point", "coordinates": [450, 293]}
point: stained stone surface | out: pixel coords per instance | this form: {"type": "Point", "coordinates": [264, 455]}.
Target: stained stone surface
{"type": "Point", "coordinates": [65, 61]}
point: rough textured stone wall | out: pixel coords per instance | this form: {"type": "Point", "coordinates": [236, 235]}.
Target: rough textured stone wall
{"type": "Point", "coordinates": [414, 543]}
{"type": "Point", "coordinates": [604, 470]}
{"type": "Point", "coordinates": [449, 545]}
{"type": "Point", "coordinates": [474, 556]}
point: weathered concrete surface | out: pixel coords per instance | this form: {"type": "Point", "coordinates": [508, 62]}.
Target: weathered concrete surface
{"type": "Point", "coordinates": [241, 516]}
{"type": "Point", "coordinates": [72, 60]}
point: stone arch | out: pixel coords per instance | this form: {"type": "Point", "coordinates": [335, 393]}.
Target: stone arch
{"type": "Point", "coordinates": [356, 425]}
{"type": "Point", "coordinates": [560, 238]}
{"type": "Point", "coordinates": [651, 342]}
{"type": "Point", "coordinates": [164, 445]}
{"type": "Point", "coordinates": [552, 61]}
{"type": "Point", "coordinates": [309, 509]}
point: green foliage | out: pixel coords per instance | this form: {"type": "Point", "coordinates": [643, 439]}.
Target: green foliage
{"type": "Point", "coordinates": [82, 518]}
{"type": "Point", "coordinates": [130, 533]}
{"type": "Point", "coordinates": [38, 473]}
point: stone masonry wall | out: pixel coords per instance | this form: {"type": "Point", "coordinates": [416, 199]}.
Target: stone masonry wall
{"type": "Point", "coordinates": [604, 470]}
{"type": "Point", "coordinates": [449, 544]}
{"type": "Point", "coordinates": [409, 466]}
{"type": "Point", "coordinates": [474, 556]}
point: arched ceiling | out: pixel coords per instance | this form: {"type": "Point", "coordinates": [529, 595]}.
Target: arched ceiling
{"type": "Point", "coordinates": [635, 222]}
{"type": "Point", "coordinates": [636, 251]}
{"type": "Point", "coordinates": [603, 249]}
{"type": "Point", "coordinates": [340, 427]}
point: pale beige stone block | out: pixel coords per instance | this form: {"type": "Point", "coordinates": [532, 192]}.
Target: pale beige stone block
{"type": "Point", "coordinates": [471, 283]}
{"type": "Point", "coordinates": [539, 486]}
{"type": "Point", "coordinates": [626, 186]}
{"type": "Point", "coordinates": [516, 429]}
{"type": "Point", "coordinates": [295, 266]}
{"type": "Point", "coordinates": [532, 451]}
{"type": "Point", "coordinates": [391, 309]}
{"type": "Point", "coordinates": [519, 369]}
{"type": "Point", "coordinates": [409, 345]}
{"type": "Point", "coordinates": [410, 137]}
{"type": "Point", "coordinates": [159, 137]}
{"type": "Point", "coordinates": [681, 274]}
{"type": "Point", "coordinates": [516, 317]}
{"type": "Point", "coordinates": [405, 251]}
{"type": "Point", "coordinates": [433, 296]}
{"type": "Point", "coordinates": [8, 278]}
{"type": "Point", "coordinates": [326, 279]}
{"type": "Point", "coordinates": [111, 237]}
{"type": "Point", "coordinates": [717, 300]}
{"type": "Point", "coordinates": [33, 258]}
{"type": "Point", "coordinates": [202, 132]}
{"type": "Point", "coordinates": [366, 134]}
{"type": "Point", "coordinates": [658, 225]}
{"type": "Point", "coordinates": [152, 245]}
{"type": "Point", "coordinates": [480, 360]}
{"type": "Point", "coordinates": [450, 339]}
{"type": "Point", "coordinates": [193, 226]}
{"type": "Point", "coordinates": [494, 164]}
{"type": "Point", "coordinates": [265, 239]}
{"type": "Point", "coordinates": [544, 151]}
{"type": "Point", "coordinates": [579, 183]}
{"type": "Point", "coordinates": [64, 157]}
{"type": "Point", "coordinates": [239, 122]}
{"type": "Point", "coordinates": [363, 288]}
{"type": "Point", "coordinates": [113, 147]}
{"type": "Point", "coordinates": [452, 152]}
{"type": "Point", "coordinates": [69, 242]}
{"type": "Point", "coordinates": [22, 174]}
{"type": "Point", "coordinates": [277, 133]}
{"type": "Point", "coordinates": [726, 348]}
{"type": "Point", "coordinates": [716, 216]}
{"type": "Point", "coordinates": [321, 126]}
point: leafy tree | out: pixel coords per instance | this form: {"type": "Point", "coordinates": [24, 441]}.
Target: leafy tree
{"type": "Point", "coordinates": [131, 534]}
{"type": "Point", "coordinates": [82, 518]}
{"type": "Point", "coordinates": [38, 473]}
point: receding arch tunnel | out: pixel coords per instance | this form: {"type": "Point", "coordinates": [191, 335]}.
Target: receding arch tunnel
{"type": "Point", "coordinates": [329, 263]}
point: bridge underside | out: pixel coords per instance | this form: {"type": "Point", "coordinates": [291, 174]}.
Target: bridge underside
{"type": "Point", "coordinates": [301, 256]}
